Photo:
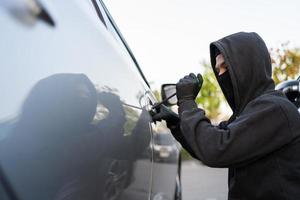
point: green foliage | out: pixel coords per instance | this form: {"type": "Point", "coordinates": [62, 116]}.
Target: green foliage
{"type": "Point", "coordinates": [132, 117]}
{"type": "Point", "coordinates": [210, 95]}
{"type": "Point", "coordinates": [185, 155]}
{"type": "Point", "coordinates": [157, 95]}
{"type": "Point", "coordinates": [286, 63]}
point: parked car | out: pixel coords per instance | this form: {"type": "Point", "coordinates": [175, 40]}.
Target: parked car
{"type": "Point", "coordinates": [291, 88]}
{"type": "Point", "coordinates": [75, 120]}
{"type": "Point", "coordinates": [165, 149]}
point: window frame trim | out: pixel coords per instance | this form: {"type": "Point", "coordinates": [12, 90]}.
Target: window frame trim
{"type": "Point", "coordinates": [98, 11]}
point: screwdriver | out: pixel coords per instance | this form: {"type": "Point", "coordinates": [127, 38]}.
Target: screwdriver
{"type": "Point", "coordinates": [162, 102]}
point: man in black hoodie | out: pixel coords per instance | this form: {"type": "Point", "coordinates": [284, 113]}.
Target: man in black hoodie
{"type": "Point", "coordinates": [260, 143]}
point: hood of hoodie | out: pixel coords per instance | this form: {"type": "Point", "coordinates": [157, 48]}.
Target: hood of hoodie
{"type": "Point", "coordinates": [249, 66]}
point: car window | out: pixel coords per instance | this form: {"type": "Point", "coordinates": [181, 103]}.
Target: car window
{"type": "Point", "coordinates": [115, 32]}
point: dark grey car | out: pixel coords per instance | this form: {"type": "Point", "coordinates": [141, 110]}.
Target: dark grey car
{"type": "Point", "coordinates": [74, 120]}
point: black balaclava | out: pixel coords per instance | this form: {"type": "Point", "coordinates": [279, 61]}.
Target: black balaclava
{"type": "Point", "coordinates": [226, 84]}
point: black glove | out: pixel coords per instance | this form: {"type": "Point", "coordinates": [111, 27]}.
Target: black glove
{"type": "Point", "coordinates": [162, 112]}
{"type": "Point", "coordinates": [188, 87]}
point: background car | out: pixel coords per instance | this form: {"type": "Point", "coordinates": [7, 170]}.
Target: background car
{"type": "Point", "coordinates": [291, 88]}
{"type": "Point", "coordinates": [74, 120]}
{"type": "Point", "coordinates": [165, 148]}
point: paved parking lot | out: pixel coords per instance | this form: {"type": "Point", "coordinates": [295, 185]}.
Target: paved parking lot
{"type": "Point", "coordinates": [203, 183]}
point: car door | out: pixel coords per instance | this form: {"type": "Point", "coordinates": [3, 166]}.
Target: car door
{"type": "Point", "coordinates": [166, 161]}
{"type": "Point", "coordinates": [73, 123]}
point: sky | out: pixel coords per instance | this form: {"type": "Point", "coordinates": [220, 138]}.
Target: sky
{"type": "Point", "coordinates": [170, 38]}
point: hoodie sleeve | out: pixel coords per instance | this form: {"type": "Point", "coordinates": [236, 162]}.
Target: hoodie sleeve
{"type": "Point", "coordinates": [262, 128]}
{"type": "Point", "coordinates": [176, 132]}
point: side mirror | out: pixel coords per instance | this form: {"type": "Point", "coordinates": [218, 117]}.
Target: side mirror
{"type": "Point", "coordinates": [160, 110]}
{"type": "Point", "coordinates": [168, 94]}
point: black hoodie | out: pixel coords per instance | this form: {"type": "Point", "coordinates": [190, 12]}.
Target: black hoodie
{"type": "Point", "coordinates": [260, 143]}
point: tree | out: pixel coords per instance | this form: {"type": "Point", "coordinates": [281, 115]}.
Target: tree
{"type": "Point", "coordinates": [157, 95]}
{"type": "Point", "coordinates": [210, 96]}
{"type": "Point", "coordinates": [285, 62]}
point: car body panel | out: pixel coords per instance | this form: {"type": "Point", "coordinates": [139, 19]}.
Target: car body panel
{"type": "Point", "coordinates": [74, 121]}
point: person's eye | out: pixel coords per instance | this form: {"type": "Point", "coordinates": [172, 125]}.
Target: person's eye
{"type": "Point", "coordinates": [223, 65]}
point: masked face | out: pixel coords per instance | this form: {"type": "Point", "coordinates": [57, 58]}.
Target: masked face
{"type": "Point", "coordinates": [226, 85]}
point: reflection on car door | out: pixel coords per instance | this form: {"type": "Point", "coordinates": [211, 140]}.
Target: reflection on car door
{"type": "Point", "coordinates": [73, 124]}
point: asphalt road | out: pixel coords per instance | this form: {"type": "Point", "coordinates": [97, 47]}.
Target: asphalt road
{"type": "Point", "coordinates": [203, 183]}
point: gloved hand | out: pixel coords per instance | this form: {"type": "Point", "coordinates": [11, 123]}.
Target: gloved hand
{"type": "Point", "coordinates": [162, 112]}
{"type": "Point", "coordinates": [188, 87]}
